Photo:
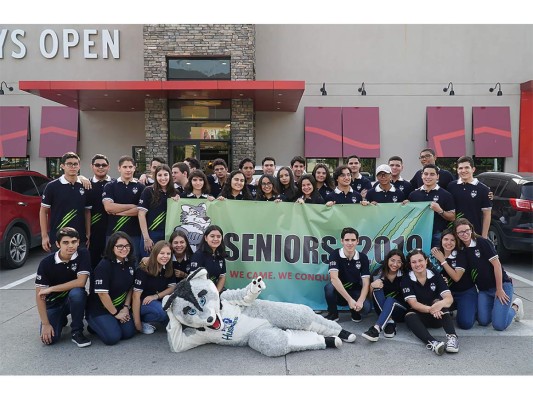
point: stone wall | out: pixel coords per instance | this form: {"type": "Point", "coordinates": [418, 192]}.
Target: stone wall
{"type": "Point", "coordinates": [236, 41]}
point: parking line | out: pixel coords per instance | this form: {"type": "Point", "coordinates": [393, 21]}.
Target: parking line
{"type": "Point", "coordinates": [12, 284]}
{"type": "Point", "coordinates": [519, 278]}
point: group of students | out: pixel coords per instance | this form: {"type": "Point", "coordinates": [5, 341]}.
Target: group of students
{"type": "Point", "coordinates": [106, 213]}
{"type": "Point", "coordinates": [124, 296]}
{"type": "Point", "coordinates": [472, 282]}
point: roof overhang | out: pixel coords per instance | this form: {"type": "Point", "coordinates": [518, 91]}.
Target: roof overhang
{"type": "Point", "coordinates": [130, 95]}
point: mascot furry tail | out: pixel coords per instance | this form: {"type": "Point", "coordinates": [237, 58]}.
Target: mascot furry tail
{"type": "Point", "coordinates": [199, 315]}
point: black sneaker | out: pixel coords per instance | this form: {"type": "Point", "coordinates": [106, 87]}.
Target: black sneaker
{"type": "Point", "coordinates": [356, 317]}
{"type": "Point", "coordinates": [80, 339]}
{"type": "Point", "coordinates": [347, 336]}
{"type": "Point", "coordinates": [372, 334]}
{"type": "Point", "coordinates": [332, 317]}
{"type": "Point", "coordinates": [390, 330]}
{"type": "Point", "coordinates": [333, 342]}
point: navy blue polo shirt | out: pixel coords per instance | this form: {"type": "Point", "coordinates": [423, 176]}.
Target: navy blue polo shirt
{"type": "Point", "coordinates": [183, 266]}
{"type": "Point", "coordinates": [98, 212]}
{"type": "Point", "coordinates": [404, 186]}
{"type": "Point", "coordinates": [275, 197]}
{"type": "Point", "coordinates": [339, 197]}
{"type": "Point", "coordinates": [67, 203]}
{"type": "Point", "coordinates": [379, 195]}
{"type": "Point", "coordinates": [432, 290]}
{"type": "Point", "coordinates": [470, 200]}
{"type": "Point", "coordinates": [179, 189]}
{"type": "Point", "coordinates": [156, 214]}
{"type": "Point", "coordinates": [440, 196]}
{"type": "Point", "coordinates": [216, 186]}
{"type": "Point", "coordinates": [240, 196]}
{"type": "Point", "coordinates": [315, 198]}
{"type": "Point", "coordinates": [119, 192]}
{"type": "Point", "coordinates": [114, 278]}
{"type": "Point", "coordinates": [360, 184]}
{"type": "Point", "coordinates": [324, 191]}
{"type": "Point", "coordinates": [52, 271]}
{"type": "Point", "coordinates": [351, 272]}
{"type": "Point", "coordinates": [288, 196]}
{"type": "Point", "coordinates": [214, 264]}
{"type": "Point", "coordinates": [458, 261]}
{"type": "Point", "coordinates": [390, 289]}
{"type": "Point", "coordinates": [445, 177]}
{"type": "Point", "coordinates": [149, 284]}
{"type": "Point", "coordinates": [479, 255]}
{"type": "Point", "coordinates": [190, 195]}
{"type": "Point", "coordinates": [252, 189]}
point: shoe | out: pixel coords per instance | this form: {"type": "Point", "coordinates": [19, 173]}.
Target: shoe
{"type": "Point", "coordinates": [372, 334]}
{"type": "Point", "coordinates": [332, 317]}
{"type": "Point", "coordinates": [437, 347]}
{"type": "Point", "coordinates": [390, 330]}
{"type": "Point", "coordinates": [147, 328]}
{"type": "Point", "coordinates": [333, 342]}
{"type": "Point", "coordinates": [80, 339]}
{"type": "Point", "coordinates": [347, 336]}
{"type": "Point", "coordinates": [452, 344]}
{"type": "Point", "coordinates": [356, 317]}
{"type": "Point", "coordinates": [520, 312]}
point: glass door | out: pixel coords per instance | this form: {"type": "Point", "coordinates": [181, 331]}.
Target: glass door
{"type": "Point", "coordinates": [203, 151]}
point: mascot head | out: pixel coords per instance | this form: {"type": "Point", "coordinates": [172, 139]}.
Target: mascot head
{"type": "Point", "coordinates": [195, 302]}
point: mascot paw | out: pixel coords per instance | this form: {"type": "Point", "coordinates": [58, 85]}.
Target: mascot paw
{"type": "Point", "coordinates": [254, 288]}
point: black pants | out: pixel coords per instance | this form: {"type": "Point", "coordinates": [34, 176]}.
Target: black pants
{"type": "Point", "coordinates": [419, 322]}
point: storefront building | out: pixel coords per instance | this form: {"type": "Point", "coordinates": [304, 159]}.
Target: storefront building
{"type": "Point", "coordinates": [235, 91]}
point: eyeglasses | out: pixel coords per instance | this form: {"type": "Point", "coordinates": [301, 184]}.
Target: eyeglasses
{"type": "Point", "coordinates": [123, 246]}
{"type": "Point", "coordinates": [465, 232]}
{"type": "Point", "coordinates": [425, 156]}
{"type": "Point", "coordinates": [72, 164]}
{"type": "Point", "coordinates": [100, 165]}
{"type": "Point", "coordinates": [345, 175]}
{"type": "Point", "coordinates": [266, 183]}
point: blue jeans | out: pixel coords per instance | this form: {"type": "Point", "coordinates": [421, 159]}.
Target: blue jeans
{"type": "Point", "coordinates": [74, 305]}
{"type": "Point", "coordinates": [491, 310]}
{"type": "Point", "coordinates": [154, 312]}
{"type": "Point", "coordinates": [387, 308]}
{"type": "Point", "coordinates": [334, 299]}
{"type": "Point", "coordinates": [156, 236]}
{"type": "Point", "coordinates": [466, 303]}
{"type": "Point", "coordinates": [109, 329]}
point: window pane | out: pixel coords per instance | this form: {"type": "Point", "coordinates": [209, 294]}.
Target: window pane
{"type": "Point", "coordinates": [40, 183]}
{"type": "Point", "coordinates": [215, 130]}
{"type": "Point", "coordinates": [200, 110]}
{"type": "Point", "coordinates": [199, 69]}
{"type": "Point", "coordinates": [5, 182]}
{"type": "Point", "coordinates": [53, 169]}
{"type": "Point", "coordinates": [24, 185]}
{"type": "Point", "coordinates": [14, 162]}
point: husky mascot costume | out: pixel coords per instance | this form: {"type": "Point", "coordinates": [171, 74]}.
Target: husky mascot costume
{"type": "Point", "coordinates": [199, 315]}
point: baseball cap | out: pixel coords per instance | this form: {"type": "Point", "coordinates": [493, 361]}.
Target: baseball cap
{"type": "Point", "coordinates": [383, 168]}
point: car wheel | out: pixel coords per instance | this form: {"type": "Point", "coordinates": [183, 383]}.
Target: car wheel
{"type": "Point", "coordinates": [496, 238]}
{"type": "Point", "coordinates": [17, 248]}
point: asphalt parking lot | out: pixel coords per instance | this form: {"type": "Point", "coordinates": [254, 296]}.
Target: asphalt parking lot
{"type": "Point", "coordinates": [483, 351]}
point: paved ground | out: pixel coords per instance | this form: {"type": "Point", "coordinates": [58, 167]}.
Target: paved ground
{"type": "Point", "coordinates": [483, 351]}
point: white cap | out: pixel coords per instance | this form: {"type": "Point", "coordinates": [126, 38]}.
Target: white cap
{"type": "Point", "coordinates": [383, 168]}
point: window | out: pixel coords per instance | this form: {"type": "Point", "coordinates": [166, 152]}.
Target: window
{"type": "Point", "coordinates": [139, 155]}
{"type": "Point", "coordinates": [368, 165]}
{"type": "Point", "coordinates": [40, 183]}
{"type": "Point", "coordinates": [15, 162]}
{"type": "Point", "coordinates": [24, 185]}
{"type": "Point", "coordinates": [200, 120]}
{"type": "Point", "coordinates": [486, 164]}
{"type": "Point", "coordinates": [53, 167]}
{"type": "Point", "coordinates": [199, 68]}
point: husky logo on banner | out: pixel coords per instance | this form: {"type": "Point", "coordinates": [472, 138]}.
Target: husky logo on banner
{"type": "Point", "coordinates": [194, 222]}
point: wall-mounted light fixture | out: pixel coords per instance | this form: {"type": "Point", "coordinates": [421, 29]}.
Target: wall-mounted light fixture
{"type": "Point", "coordinates": [452, 93]}
{"type": "Point", "coordinates": [499, 93]}
{"type": "Point", "coordinates": [323, 90]}
{"type": "Point", "coordinates": [362, 89]}
{"type": "Point", "coordinates": [10, 88]}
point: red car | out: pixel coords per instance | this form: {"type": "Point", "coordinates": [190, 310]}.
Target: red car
{"type": "Point", "coordinates": [20, 201]}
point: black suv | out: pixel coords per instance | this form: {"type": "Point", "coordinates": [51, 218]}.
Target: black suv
{"type": "Point", "coordinates": [511, 227]}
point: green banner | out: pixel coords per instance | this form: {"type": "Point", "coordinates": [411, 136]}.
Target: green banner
{"type": "Point", "coordinates": [288, 244]}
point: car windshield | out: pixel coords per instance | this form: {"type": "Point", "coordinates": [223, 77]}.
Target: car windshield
{"type": "Point", "coordinates": [527, 191]}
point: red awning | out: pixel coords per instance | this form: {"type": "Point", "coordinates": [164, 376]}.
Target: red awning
{"type": "Point", "coordinates": [59, 131]}
{"type": "Point", "coordinates": [492, 131]}
{"type": "Point", "coordinates": [445, 131]}
{"type": "Point", "coordinates": [130, 95]}
{"type": "Point", "coordinates": [323, 132]}
{"type": "Point", "coordinates": [14, 128]}
{"type": "Point", "coordinates": [360, 130]}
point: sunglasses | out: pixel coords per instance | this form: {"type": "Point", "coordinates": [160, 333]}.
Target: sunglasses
{"type": "Point", "coordinates": [100, 165]}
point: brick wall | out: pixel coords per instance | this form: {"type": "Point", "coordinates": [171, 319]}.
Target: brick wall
{"type": "Point", "coordinates": [237, 41]}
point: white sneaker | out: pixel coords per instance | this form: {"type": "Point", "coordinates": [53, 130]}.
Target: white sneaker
{"type": "Point", "coordinates": [148, 329]}
{"type": "Point", "coordinates": [437, 347]}
{"type": "Point", "coordinates": [520, 312]}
